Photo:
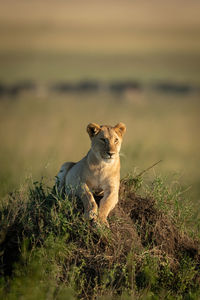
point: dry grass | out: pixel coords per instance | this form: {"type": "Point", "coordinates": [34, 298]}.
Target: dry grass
{"type": "Point", "coordinates": [124, 26]}
{"type": "Point", "coordinates": [48, 40]}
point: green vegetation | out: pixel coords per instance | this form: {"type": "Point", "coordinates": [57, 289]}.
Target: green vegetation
{"type": "Point", "coordinates": [48, 251]}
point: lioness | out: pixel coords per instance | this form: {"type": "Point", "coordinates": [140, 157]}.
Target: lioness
{"type": "Point", "coordinates": [98, 172]}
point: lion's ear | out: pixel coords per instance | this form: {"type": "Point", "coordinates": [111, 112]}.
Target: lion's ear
{"type": "Point", "coordinates": [120, 129]}
{"type": "Point", "coordinates": [93, 129]}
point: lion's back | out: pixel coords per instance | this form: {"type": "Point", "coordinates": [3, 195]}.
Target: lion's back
{"type": "Point", "coordinates": [60, 178]}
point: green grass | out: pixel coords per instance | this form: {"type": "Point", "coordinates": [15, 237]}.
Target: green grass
{"type": "Point", "coordinates": [49, 251]}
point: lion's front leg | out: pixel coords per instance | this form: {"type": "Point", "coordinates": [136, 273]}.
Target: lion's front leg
{"type": "Point", "coordinates": [107, 203]}
{"type": "Point", "coordinates": [89, 203]}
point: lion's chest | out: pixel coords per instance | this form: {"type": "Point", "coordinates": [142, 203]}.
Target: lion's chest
{"type": "Point", "coordinates": [98, 178]}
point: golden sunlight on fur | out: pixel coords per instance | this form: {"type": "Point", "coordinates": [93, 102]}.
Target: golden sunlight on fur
{"type": "Point", "coordinates": [97, 173]}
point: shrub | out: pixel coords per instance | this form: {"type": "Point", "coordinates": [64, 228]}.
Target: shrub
{"type": "Point", "coordinates": [48, 250]}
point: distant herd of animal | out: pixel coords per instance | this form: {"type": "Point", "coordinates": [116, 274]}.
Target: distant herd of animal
{"type": "Point", "coordinates": [88, 86]}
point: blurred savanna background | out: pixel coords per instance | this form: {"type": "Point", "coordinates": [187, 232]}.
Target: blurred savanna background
{"type": "Point", "coordinates": [64, 64]}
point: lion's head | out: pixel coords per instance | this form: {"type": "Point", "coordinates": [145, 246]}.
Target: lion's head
{"type": "Point", "coordinates": [106, 140]}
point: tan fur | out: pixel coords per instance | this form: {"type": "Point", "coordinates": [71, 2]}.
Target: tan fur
{"type": "Point", "coordinates": [97, 172]}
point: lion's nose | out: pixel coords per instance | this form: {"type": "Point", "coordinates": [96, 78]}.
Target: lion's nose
{"type": "Point", "coordinates": [110, 153]}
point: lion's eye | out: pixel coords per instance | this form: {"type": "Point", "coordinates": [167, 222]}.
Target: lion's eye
{"type": "Point", "coordinates": [116, 141]}
{"type": "Point", "coordinates": [103, 140]}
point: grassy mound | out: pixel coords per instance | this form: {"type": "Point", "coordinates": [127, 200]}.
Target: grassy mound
{"type": "Point", "coordinates": [48, 251]}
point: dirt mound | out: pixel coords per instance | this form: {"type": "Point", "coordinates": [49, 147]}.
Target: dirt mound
{"type": "Point", "coordinates": [137, 224]}
{"type": "Point", "coordinates": [153, 227]}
